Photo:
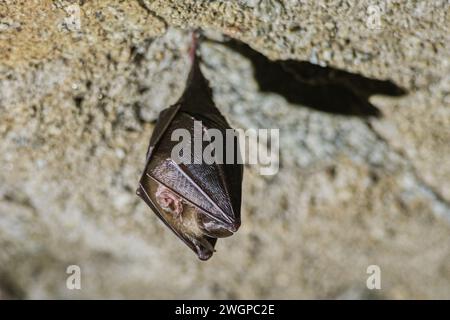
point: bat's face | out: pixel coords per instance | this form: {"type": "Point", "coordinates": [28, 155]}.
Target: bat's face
{"type": "Point", "coordinates": [195, 226]}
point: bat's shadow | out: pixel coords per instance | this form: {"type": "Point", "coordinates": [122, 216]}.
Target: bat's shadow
{"type": "Point", "coordinates": [326, 89]}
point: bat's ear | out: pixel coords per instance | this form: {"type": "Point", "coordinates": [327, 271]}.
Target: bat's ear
{"type": "Point", "coordinates": [204, 247]}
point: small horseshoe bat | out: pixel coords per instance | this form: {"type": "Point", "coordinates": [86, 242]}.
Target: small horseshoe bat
{"type": "Point", "coordinates": [198, 202]}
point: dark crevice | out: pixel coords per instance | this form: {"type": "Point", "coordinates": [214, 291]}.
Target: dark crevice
{"type": "Point", "coordinates": [325, 89]}
{"type": "Point", "coordinates": [21, 199]}
{"type": "Point", "coordinates": [144, 6]}
{"type": "Point", "coordinates": [136, 56]}
{"type": "Point", "coordinates": [78, 100]}
{"type": "Point", "coordinates": [137, 113]}
{"type": "Point", "coordinates": [9, 289]}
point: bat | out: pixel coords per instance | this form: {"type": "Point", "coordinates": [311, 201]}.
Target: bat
{"type": "Point", "coordinates": [199, 202]}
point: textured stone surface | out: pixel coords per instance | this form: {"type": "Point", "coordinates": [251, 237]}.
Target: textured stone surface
{"type": "Point", "coordinates": [81, 83]}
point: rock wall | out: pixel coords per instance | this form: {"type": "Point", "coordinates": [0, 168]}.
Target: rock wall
{"type": "Point", "coordinates": [82, 83]}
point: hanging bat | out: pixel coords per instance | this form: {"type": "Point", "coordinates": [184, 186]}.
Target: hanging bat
{"type": "Point", "coordinates": [199, 202]}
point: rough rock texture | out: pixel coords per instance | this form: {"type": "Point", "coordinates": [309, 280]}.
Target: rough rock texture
{"type": "Point", "coordinates": [81, 83]}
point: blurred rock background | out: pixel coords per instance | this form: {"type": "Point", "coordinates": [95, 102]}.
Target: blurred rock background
{"type": "Point", "coordinates": [82, 83]}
